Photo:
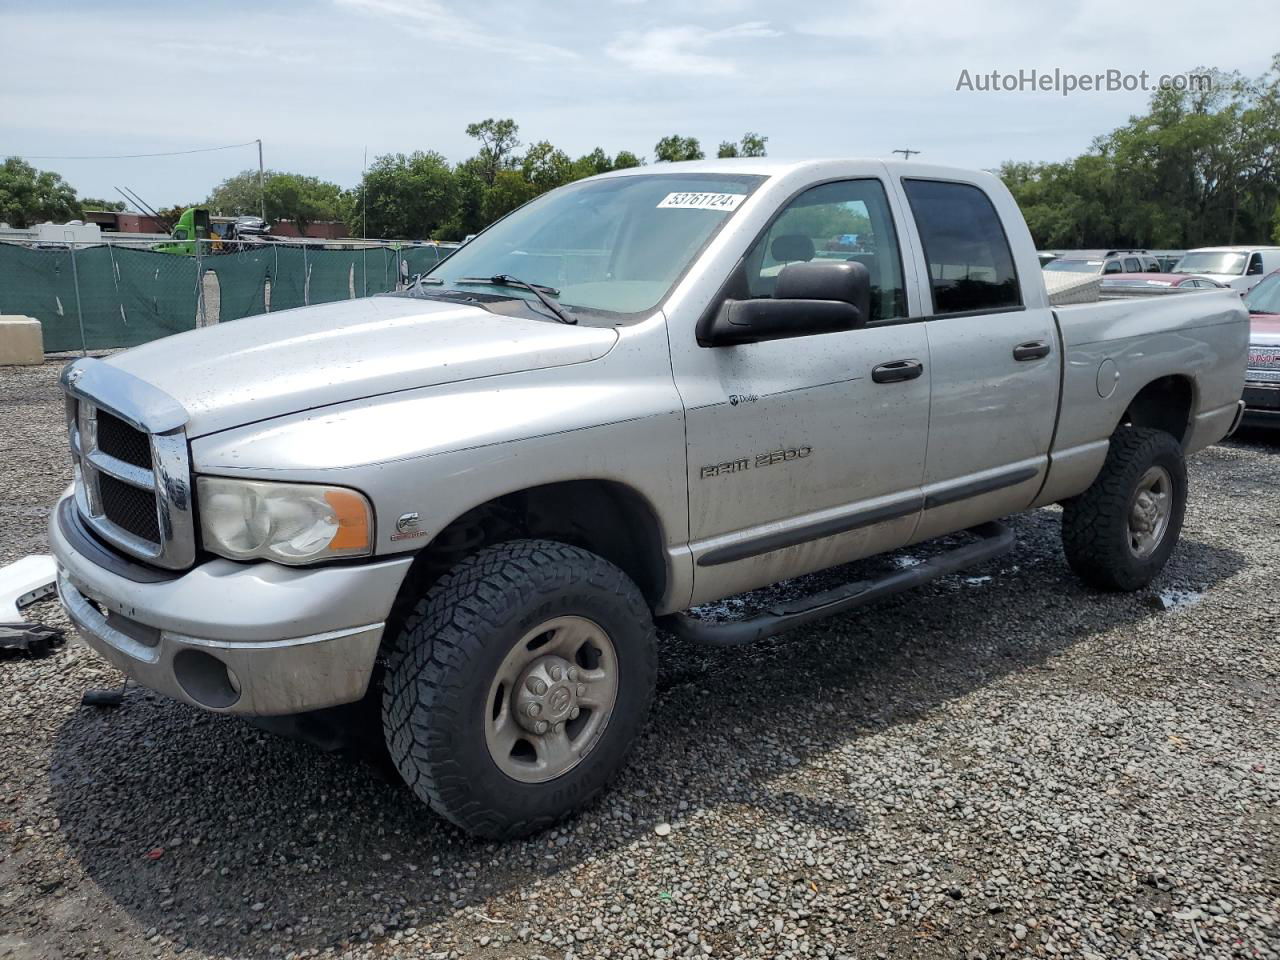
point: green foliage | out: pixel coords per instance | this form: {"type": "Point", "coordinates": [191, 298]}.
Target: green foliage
{"type": "Point", "coordinates": [1198, 168]}
{"type": "Point", "coordinates": [29, 196]}
{"type": "Point", "coordinates": [93, 203]}
{"type": "Point", "coordinates": [409, 197]}
{"type": "Point", "coordinates": [752, 145]}
{"type": "Point", "coordinates": [498, 143]}
{"type": "Point", "coordinates": [286, 196]}
{"type": "Point", "coordinates": [626, 159]}
{"type": "Point", "coordinates": [675, 147]}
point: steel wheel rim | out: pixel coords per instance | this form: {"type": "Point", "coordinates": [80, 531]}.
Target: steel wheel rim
{"type": "Point", "coordinates": [550, 699]}
{"type": "Point", "coordinates": [1149, 512]}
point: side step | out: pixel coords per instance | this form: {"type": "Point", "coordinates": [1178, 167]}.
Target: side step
{"type": "Point", "coordinates": [994, 540]}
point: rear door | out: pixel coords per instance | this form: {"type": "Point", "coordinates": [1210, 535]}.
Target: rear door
{"type": "Point", "coordinates": [994, 358]}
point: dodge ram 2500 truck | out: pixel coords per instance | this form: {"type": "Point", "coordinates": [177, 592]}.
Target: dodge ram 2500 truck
{"type": "Point", "coordinates": [639, 393]}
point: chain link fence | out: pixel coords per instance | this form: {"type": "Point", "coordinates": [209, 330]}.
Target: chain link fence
{"type": "Point", "coordinates": [120, 292]}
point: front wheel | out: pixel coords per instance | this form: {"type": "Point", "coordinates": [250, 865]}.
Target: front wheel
{"type": "Point", "coordinates": [1119, 533]}
{"type": "Point", "coordinates": [517, 685]}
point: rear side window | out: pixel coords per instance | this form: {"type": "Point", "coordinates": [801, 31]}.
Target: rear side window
{"type": "Point", "coordinates": [970, 263]}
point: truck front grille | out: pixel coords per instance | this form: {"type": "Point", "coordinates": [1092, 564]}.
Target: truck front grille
{"type": "Point", "coordinates": [117, 439]}
{"type": "Point", "coordinates": [132, 466]}
{"type": "Point", "coordinates": [129, 508]}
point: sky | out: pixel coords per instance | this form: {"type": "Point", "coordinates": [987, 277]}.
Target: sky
{"type": "Point", "coordinates": [324, 81]}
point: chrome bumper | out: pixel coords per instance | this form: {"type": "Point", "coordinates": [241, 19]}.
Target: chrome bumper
{"type": "Point", "coordinates": [257, 639]}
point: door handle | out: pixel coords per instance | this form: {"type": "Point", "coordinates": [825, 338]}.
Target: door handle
{"type": "Point", "coordinates": [897, 371]}
{"type": "Point", "coordinates": [1035, 350]}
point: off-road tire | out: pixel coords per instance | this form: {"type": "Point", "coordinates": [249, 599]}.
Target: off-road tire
{"type": "Point", "coordinates": [442, 661]}
{"type": "Point", "coordinates": [1095, 525]}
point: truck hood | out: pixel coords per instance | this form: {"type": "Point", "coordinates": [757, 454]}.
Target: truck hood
{"type": "Point", "coordinates": [1264, 328]}
{"type": "Point", "coordinates": [260, 367]}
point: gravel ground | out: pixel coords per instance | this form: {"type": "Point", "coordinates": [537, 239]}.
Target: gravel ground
{"type": "Point", "coordinates": [1001, 764]}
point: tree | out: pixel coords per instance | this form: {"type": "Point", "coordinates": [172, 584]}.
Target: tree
{"type": "Point", "coordinates": [406, 197]}
{"type": "Point", "coordinates": [676, 147]}
{"type": "Point", "coordinates": [29, 196]}
{"type": "Point", "coordinates": [498, 142]}
{"type": "Point", "coordinates": [546, 168]}
{"type": "Point", "coordinates": [752, 145]}
{"type": "Point", "coordinates": [304, 200]}
{"type": "Point", "coordinates": [93, 203]}
{"type": "Point", "coordinates": [1200, 167]}
{"type": "Point", "coordinates": [239, 195]}
{"type": "Point", "coordinates": [588, 165]}
{"type": "Point", "coordinates": [625, 160]}
{"type": "Point", "coordinates": [295, 197]}
{"type": "Point", "coordinates": [509, 190]}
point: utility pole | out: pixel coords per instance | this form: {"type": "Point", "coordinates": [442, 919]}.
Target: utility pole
{"type": "Point", "coordinates": [906, 154]}
{"type": "Point", "coordinates": [262, 184]}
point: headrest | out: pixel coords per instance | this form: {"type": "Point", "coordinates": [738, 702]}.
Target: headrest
{"type": "Point", "coordinates": [791, 247]}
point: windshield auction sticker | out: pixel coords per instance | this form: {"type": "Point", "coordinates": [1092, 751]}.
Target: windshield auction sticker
{"type": "Point", "coordinates": [702, 201]}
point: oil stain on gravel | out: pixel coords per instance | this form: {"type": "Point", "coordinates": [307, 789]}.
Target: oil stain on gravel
{"type": "Point", "coordinates": [986, 767]}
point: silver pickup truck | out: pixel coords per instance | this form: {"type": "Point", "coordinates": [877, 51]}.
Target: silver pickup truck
{"type": "Point", "coordinates": [468, 504]}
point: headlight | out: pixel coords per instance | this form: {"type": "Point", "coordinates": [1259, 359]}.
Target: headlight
{"type": "Point", "coordinates": [285, 522]}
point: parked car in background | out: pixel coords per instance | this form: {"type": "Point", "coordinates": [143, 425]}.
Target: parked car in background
{"type": "Point", "coordinates": [1262, 379]}
{"type": "Point", "coordinates": [1167, 259]}
{"type": "Point", "coordinates": [1145, 285]}
{"type": "Point", "coordinates": [1237, 267]}
{"type": "Point", "coordinates": [1047, 256]}
{"type": "Point", "coordinates": [1105, 262]}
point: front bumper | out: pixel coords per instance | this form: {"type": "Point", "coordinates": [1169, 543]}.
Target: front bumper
{"type": "Point", "coordinates": [258, 639]}
{"type": "Point", "coordinates": [1262, 404]}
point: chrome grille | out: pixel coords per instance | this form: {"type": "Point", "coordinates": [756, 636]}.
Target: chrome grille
{"type": "Point", "coordinates": [132, 468]}
{"type": "Point", "coordinates": [1264, 364]}
{"type": "Point", "coordinates": [117, 439]}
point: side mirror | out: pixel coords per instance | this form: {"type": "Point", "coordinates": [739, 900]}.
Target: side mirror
{"type": "Point", "coordinates": [809, 298]}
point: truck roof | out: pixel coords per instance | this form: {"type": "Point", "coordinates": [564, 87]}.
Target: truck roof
{"type": "Point", "coordinates": [774, 166]}
{"type": "Point", "coordinates": [1238, 248]}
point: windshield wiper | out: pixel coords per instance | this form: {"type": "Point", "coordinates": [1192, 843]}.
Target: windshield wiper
{"type": "Point", "coordinates": [543, 293]}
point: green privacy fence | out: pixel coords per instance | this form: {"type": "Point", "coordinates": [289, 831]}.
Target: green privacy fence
{"type": "Point", "coordinates": [104, 295]}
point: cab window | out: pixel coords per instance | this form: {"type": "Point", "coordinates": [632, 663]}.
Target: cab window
{"type": "Point", "coordinates": [970, 264]}
{"type": "Point", "coordinates": [844, 220]}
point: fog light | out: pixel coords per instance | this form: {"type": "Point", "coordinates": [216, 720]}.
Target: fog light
{"type": "Point", "coordinates": [206, 679]}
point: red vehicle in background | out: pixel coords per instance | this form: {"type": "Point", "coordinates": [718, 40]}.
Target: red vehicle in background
{"type": "Point", "coordinates": [1145, 284]}
{"type": "Point", "coordinates": [1262, 379]}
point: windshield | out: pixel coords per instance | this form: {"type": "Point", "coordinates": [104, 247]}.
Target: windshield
{"type": "Point", "coordinates": [616, 245]}
{"type": "Point", "coordinates": [1231, 263]}
{"type": "Point", "coordinates": [1076, 266]}
{"type": "Point", "coordinates": [1265, 297]}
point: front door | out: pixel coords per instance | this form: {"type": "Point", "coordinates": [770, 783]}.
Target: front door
{"type": "Point", "coordinates": [808, 452]}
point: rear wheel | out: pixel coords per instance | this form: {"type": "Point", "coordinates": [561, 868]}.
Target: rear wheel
{"type": "Point", "coordinates": [1119, 533]}
{"type": "Point", "coordinates": [517, 685]}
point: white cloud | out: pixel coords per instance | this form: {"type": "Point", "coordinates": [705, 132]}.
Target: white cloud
{"type": "Point", "coordinates": [686, 49]}
{"type": "Point", "coordinates": [432, 20]}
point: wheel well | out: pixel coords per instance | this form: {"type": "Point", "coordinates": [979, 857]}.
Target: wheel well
{"type": "Point", "coordinates": [1163, 404]}
{"type": "Point", "coordinates": [605, 517]}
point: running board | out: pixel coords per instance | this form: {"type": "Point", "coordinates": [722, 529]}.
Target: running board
{"type": "Point", "coordinates": [994, 540]}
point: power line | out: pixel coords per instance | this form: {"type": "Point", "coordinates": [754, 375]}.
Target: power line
{"type": "Point", "coordinates": [140, 156]}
